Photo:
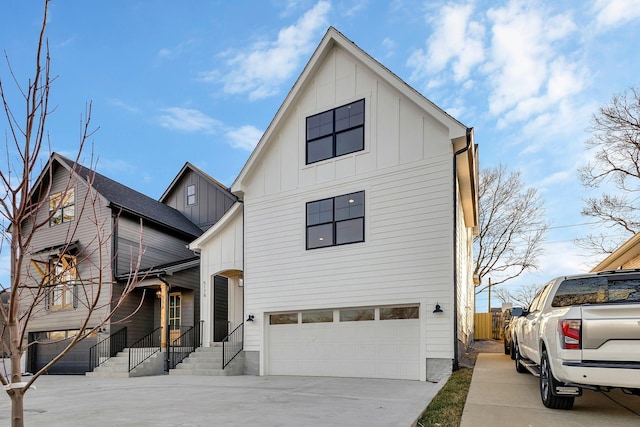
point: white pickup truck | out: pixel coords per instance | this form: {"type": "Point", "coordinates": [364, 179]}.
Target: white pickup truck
{"type": "Point", "coordinates": [582, 332]}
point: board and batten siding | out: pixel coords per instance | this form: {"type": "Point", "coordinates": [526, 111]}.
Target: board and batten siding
{"type": "Point", "coordinates": [222, 253]}
{"type": "Point", "coordinates": [212, 201]}
{"type": "Point", "coordinates": [406, 173]}
{"type": "Point", "coordinates": [83, 230]}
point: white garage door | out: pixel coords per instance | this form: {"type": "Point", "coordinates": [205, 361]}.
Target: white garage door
{"type": "Point", "coordinates": [375, 342]}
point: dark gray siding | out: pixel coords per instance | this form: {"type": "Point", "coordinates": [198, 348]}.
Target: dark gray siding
{"type": "Point", "coordinates": [142, 322]}
{"type": "Point", "coordinates": [159, 247]}
{"type": "Point", "coordinates": [212, 201]}
{"type": "Point", "coordinates": [94, 272]}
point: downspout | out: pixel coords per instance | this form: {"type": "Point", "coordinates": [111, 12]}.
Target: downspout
{"type": "Point", "coordinates": [455, 249]}
{"type": "Point", "coordinates": [244, 284]}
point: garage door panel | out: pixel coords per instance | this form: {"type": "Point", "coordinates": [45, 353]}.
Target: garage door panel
{"type": "Point", "coordinates": [368, 349]}
{"type": "Point", "coordinates": [76, 361]}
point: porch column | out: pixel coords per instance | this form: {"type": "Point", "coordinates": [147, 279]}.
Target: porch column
{"type": "Point", "coordinates": [164, 320]}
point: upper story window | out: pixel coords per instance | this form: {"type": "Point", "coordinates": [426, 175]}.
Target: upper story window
{"type": "Point", "coordinates": [335, 221]}
{"type": "Point", "coordinates": [335, 132]}
{"type": "Point", "coordinates": [191, 195]}
{"type": "Point", "coordinates": [61, 280]}
{"type": "Point", "coordinates": [62, 207]}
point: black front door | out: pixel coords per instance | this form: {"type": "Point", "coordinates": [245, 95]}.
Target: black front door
{"type": "Point", "coordinates": [220, 308]}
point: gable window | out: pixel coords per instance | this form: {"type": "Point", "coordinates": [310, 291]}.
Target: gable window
{"type": "Point", "coordinates": [62, 207]}
{"type": "Point", "coordinates": [335, 221]}
{"type": "Point", "coordinates": [191, 194]}
{"type": "Point", "coordinates": [335, 132]}
{"type": "Point", "coordinates": [61, 280]}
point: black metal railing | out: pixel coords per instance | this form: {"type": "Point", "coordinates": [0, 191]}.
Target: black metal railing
{"type": "Point", "coordinates": [232, 345]}
{"type": "Point", "coordinates": [107, 348]}
{"type": "Point", "coordinates": [144, 348]}
{"type": "Point", "coordinates": [185, 344]}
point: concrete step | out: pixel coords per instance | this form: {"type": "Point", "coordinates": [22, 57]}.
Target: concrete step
{"type": "Point", "coordinates": [208, 363]}
{"type": "Point", "coordinates": [118, 366]}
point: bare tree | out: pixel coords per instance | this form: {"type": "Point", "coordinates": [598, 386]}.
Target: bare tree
{"type": "Point", "coordinates": [521, 296]}
{"type": "Point", "coordinates": [615, 141]}
{"type": "Point", "coordinates": [26, 209]}
{"type": "Point", "coordinates": [512, 227]}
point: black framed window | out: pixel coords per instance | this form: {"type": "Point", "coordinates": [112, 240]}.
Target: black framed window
{"type": "Point", "coordinates": [335, 132]}
{"type": "Point", "coordinates": [335, 221]}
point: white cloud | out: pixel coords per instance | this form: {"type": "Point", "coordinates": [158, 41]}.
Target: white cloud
{"type": "Point", "coordinates": [456, 39]}
{"type": "Point", "coordinates": [610, 13]}
{"type": "Point", "coordinates": [525, 64]}
{"type": "Point", "coordinates": [194, 121]}
{"type": "Point", "coordinates": [171, 53]}
{"type": "Point", "coordinates": [557, 178]}
{"type": "Point", "coordinates": [113, 167]}
{"type": "Point", "coordinates": [389, 45]}
{"type": "Point", "coordinates": [187, 120]}
{"type": "Point", "coordinates": [514, 54]}
{"type": "Point", "coordinates": [123, 105]}
{"type": "Point", "coordinates": [267, 65]}
{"type": "Point", "coordinates": [244, 137]}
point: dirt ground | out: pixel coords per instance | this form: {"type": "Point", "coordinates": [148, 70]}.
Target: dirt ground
{"type": "Point", "coordinates": [468, 360]}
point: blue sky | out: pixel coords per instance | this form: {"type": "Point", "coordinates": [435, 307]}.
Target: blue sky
{"type": "Point", "coordinates": [200, 81]}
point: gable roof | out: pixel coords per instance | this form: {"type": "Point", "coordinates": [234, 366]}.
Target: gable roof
{"type": "Point", "coordinates": [121, 197]}
{"type": "Point", "coordinates": [185, 169]}
{"type": "Point", "coordinates": [622, 255]}
{"type": "Point", "coordinates": [216, 228]}
{"type": "Point", "coordinates": [331, 39]}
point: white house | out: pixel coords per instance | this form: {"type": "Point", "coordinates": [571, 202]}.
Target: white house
{"type": "Point", "coordinates": [349, 252]}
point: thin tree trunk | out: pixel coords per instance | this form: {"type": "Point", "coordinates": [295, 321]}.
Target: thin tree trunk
{"type": "Point", "coordinates": [17, 407]}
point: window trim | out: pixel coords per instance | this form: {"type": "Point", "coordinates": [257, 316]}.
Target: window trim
{"type": "Point", "coordinates": [334, 222]}
{"type": "Point", "coordinates": [61, 205]}
{"type": "Point", "coordinates": [334, 134]}
{"type": "Point", "coordinates": [194, 195]}
{"type": "Point", "coordinates": [62, 282]}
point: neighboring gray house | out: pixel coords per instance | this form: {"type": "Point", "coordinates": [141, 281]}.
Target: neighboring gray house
{"type": "Point", "coordinates": [168, 292]}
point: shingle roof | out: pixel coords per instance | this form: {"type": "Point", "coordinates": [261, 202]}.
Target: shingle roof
{"type": "Point", "coordinates": [133, 202]}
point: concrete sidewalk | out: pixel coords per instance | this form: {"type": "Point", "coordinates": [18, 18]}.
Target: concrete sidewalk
{"type": "Point", "coordinates": [223, 401]}
{"type": "Point", "coordinates": [499, 396]}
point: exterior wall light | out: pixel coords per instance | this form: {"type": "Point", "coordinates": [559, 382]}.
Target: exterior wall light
{"type": "Point", "coordinates": [438, 309]}
{"type": "Point", "coordinates": [250, 318]}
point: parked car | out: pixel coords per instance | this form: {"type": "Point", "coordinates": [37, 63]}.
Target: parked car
{"type": "Point", "coordinates": [582, 332]}
{"type": "Point", "coordinates": [511, 316]}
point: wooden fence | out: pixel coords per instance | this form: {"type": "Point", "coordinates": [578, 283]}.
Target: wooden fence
{"type": "Point", "coordinates": [488, 326]}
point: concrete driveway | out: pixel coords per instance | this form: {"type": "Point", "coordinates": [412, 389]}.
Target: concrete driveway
{"type": "Point", "coordinates": [499, 396]}
{"type": "Point", "coordinates": [222, 401]}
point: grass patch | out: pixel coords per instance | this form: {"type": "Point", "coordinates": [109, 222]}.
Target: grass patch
{"type": "Point", "coordinates": [445, 410]}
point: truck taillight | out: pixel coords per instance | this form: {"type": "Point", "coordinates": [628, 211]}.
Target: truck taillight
{"type": "Point", "coordinates": [570, 332]}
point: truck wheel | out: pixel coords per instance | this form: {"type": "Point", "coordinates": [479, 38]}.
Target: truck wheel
{"type": "Point", "coordinates": [513, 350]}
{"type": "Point", "coordinates": [548, 383]}
{"type": "Point", "coordinates": [518, 357]}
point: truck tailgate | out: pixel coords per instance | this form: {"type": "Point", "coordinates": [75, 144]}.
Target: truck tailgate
{"type": "Point", "coordinates": [611, 332]}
